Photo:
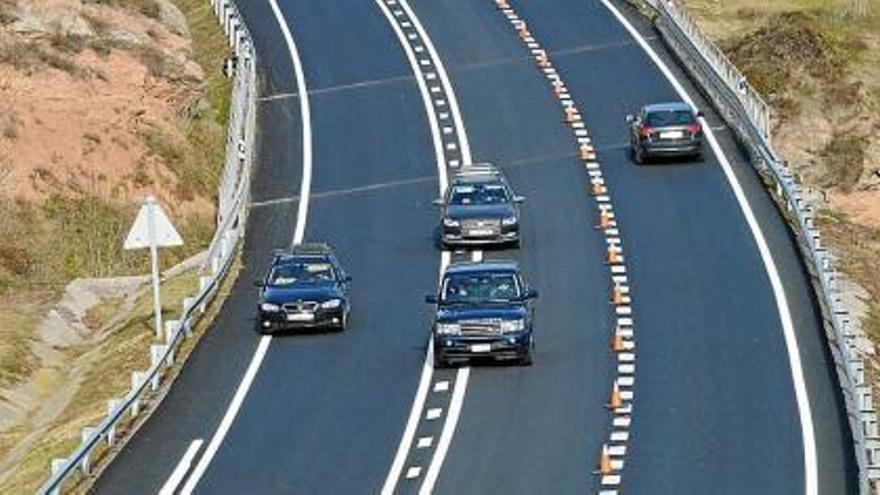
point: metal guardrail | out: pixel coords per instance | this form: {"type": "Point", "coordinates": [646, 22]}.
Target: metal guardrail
{"type": "Point", "coordinates": [744, 109]}
{"type": "Point", "coordinates": [233, 196]}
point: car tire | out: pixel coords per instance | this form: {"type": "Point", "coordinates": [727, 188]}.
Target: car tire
{"type": "Point", "coordinates": [527, 358]}
{"type": "Point", "coordinates": [440, 363]}
{"type": "Point", "coordinates": [344, 325]}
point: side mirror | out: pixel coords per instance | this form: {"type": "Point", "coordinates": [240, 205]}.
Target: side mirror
{"type": "Point", "coordinates": [630, 118]}
{"type": "Point", "coordinates": [530, 293]}
{"type": "Point", "coordinates": [700, 114]}
{"type": "Point", "coordinates": [431, 299]}
{"type": "Point", "coordinates": [259, 283]}
{"type": "Point", "coordinates": [438, 202]}
{"type": "Point", "coordinates": [519, 199]}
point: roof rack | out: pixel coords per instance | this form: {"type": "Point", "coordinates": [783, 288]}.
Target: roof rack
{"type": "Point", "coordinates": [314, 248]}
{"type": "Point", "coordinates": [478, 169]}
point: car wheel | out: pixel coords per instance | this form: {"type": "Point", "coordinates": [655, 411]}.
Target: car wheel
{"type": "Point", "coordinates": [344, 325]}
{"type": "Point", "coordinates": [527, 358]}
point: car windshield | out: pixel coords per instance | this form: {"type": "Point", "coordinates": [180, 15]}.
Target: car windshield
{"type": "Point", "coordinates": [669, 117]}
{"type": "Point", "coordinates": [478, 194]}
{"type": "Point", "coordinates": [298, 272]}
{"type": "Point", "coordinates": [480, 287]}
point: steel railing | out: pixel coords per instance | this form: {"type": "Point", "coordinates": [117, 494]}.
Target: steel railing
{"type": "Point", "coordinates": [744, 109]}
{"type": "Point", "coordinates": [233, 196]}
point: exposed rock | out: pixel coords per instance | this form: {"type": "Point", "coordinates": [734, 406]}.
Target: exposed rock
{"type": "Point", "coordinates": [33, 20]}
{"type": "Point", "coordinates": [172, 18]}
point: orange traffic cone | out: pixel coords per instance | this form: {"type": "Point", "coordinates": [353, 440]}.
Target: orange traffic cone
{"type": "Point", "coordinates": [571, 115]}
{"type": "Point", "coordinates": [597, 189]}
{"type": "Point", "coordinates": [615, 401]}
{"type": "Point", "coordinates": [605, 220]}
{"type": "Point", "coordinates": [617, 297]}
{"type": "Point", "coordinates": [542, 59]}
{"type": "Point", "coordinates": [617, 341]}
{"type": "Point", "coordinates": [604, 461]}
{"type": "Point", "coordinates": [502, 4]}
{"type": "Point", "coordinates": [586, 153]}
{"type": "Point", "coordinates": [613, 256]}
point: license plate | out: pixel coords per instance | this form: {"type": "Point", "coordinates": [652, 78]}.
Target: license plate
{"type": "Point", "coordinates": [481, 347]}
{"type": "Point", "coordinates": [301, 317]}
{"type": "Point", "coordinates": [671, 135]}
{"type": "Point", "coordinates": [480, 232]}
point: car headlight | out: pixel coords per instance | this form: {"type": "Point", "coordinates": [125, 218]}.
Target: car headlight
{"type": "Point", "coordinates": [509, 220]}
{"type": "Point", "coordinates": [448, 328]}
{"type": "Point", "coordinates": [512, 326]}
{"type": "Point", "coordinates": [331, 304]}
{"type": "Point", "coordinates": [269, 307]}
{"type": "Point", "coordinates": [449, 222]}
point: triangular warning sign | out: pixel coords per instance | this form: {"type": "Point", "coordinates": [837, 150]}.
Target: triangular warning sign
{"type": "Point", "coordinates": [151, 217]}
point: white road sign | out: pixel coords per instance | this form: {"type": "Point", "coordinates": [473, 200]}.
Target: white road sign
{"type": "Point", "coordinates": [139, 235]}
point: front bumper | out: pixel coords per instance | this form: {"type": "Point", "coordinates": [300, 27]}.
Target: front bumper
{"type": "Point", "coordinates": [278, 321]}
{"type": "Point", "coordinates": [513, 345]}
{"type": "Point", "coordinates": [508, 234]}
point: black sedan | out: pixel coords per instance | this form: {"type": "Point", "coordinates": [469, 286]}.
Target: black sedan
{"type": "Point", "coordinates": [304, 289]}
{"type": "Point", "coordinates": [665, 130]}
{"type": "Point", "coordinates": [484, 310]}
{"type": "Point", "coordinates": [479, 209]}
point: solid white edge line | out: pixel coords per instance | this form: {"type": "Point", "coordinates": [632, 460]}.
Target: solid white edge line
{"type": "Point", "coordinates": [182, 467]}
{"type": "Point", "coordinates": [444, 79]}
{"type": "Point", "coordinates": [806, 419]}
{"type": "Point", "coordinates": [299, 231]}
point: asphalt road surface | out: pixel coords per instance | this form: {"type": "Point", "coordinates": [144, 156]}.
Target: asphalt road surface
{"type": "Point", "coordinates": [715, 403]}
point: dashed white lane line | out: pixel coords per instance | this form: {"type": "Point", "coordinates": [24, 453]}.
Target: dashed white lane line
{"type": "Point", "coordinates": [182, 468]}
{"type": "Point", "coordinates": [449, 108]}
{"type": "Point", "coordinates": [301, 216]}
{"type": "Point", "coordinates": [811, 471]}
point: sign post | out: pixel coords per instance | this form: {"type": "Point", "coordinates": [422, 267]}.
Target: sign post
{"type": "Point", "coordinates": [152, 229]}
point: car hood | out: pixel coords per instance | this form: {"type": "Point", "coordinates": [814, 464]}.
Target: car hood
{"type": "Point", "coordinates": [305, 292]}
{"type": "Point", "coordinates": [466, 212]}
{"type": "Point", "coordinates": [458, 313]}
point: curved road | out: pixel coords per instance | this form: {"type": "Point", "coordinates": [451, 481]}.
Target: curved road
{"type": "Point", "coordinates": [715, 408]}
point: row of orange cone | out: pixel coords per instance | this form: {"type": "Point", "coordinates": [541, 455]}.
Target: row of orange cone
{"type": "Point", "coordinates": [622, 343]}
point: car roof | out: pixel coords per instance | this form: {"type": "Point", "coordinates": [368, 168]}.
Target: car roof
{"type": "Point", "coordinates": [483, 266]}
{"type": "Point", "coordinates": [478, 173]}
{"type": "Point", "coordinates": [313, 250]}
{"type": "Point", "coordinates": [668, 106]}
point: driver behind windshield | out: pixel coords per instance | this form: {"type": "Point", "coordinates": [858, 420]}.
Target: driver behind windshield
{"type": "Point", "coordinates": [480, 288]}
{"type": "Point", "coordinates": [301, 272]}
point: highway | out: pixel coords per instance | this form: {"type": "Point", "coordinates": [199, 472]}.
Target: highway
{"type": "Point", "coordinates": [716, 407]}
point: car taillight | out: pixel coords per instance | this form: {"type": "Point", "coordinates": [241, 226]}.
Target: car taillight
{"type": "Point", "coordinates": [695, 129]}
{"type": "Point", "coordinates": [646, 131]}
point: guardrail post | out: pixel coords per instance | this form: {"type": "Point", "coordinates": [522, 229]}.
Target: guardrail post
{"type": "Point", "coordinates": [171, 329]}
{"type": "Point", "coordinates": [84, 464]}
{"type": "Point", "coordinates": [112, 404]}
{"type": "Point", "coordinates": [156, 353]}
{"type": "Point", "coordinates": [204, 282]}
{"type": "Point", "coordinates": [56, 466]}
{"type": "Point", "coordinates": [137, 378]}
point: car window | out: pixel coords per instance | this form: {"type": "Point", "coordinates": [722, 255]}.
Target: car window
{"type": "Point", "coordinates": [302, 272]}
{"type": "Point", "coordinates": [480, 287]}
{"type": "Point", "coordinates": [478, 194]}
{"type": "Point", "coordinates": [669, 117]}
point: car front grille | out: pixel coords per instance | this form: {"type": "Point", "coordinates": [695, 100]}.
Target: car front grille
{"type": "Point", "coordinates": [480, 327]}
{"type": "Point", "coordinates": [481, 224]}
{"type": "Point", "coordinates": [300, 307]}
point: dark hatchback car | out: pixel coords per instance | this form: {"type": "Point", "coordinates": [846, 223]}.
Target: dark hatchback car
{"type": "Point", "coordinates": [665, 130]}
{"type": "Point", "coordinates": [304, 289]}
{"type": "Point", "coordinates": [484, 310]}
{"type": "Point", "coordinates": [479, 209]}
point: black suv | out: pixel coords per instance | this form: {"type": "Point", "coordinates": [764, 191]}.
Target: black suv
{"type": "Point", "coordinates": [483, 310]}
{"type": "Point", "coordinates": [665, 129]}
{"type": "Point", "coordinates": [479, 208]}
{"type": "Point", "coordinates": [305, 288]}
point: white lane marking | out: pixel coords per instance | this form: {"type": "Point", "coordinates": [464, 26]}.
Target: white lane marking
{"type": "Point", "coordinates": [425, 442]}
{"type": "Point", "coordinates": [434, 413]}
{"type": "Point", "coordinates": [441, 386]}
{"type": "Point", "coordinates": [299, 231]}
{"type": "Point", "coordinates": [444, 79]}
{"type": "Point", "coordinates": [811, 471]}
{"type": "Point", "coordinates": [452, 414]}
{"type": "Point", "coordinates": [183, 466]}
{"type": "Point", "coordinates": [413, 472]}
